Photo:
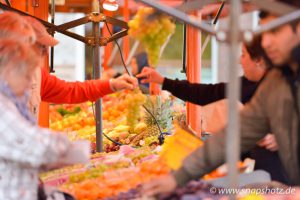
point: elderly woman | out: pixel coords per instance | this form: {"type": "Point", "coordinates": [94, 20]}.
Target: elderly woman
{"type": "Point", "coordinates": [24, 148]}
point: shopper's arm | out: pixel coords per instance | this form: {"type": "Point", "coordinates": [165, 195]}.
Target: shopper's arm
{"type": "Point", "coordinates": [55, 90]}
{"type": "Point", "coordinates": [254, 126]}
{"type": "Point", "coordinates": [203, 94]}
{"type": "Point", "coordinates": [26, 144]}
{"type": "Point", "coordinates": [200, 94]}
{"type": "Point", "coordinates": [196, 93]}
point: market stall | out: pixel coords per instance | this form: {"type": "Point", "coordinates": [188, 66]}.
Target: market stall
{"type": "Point", "coordinates": [136, 137]}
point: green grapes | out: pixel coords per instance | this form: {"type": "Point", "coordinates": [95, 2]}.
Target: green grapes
{"type": "Point", "coordinates": [153, 33]}
{"type": "Point", "coordinates": [150, 140]}
{"type": "Point", "coordinates": [134, 102]}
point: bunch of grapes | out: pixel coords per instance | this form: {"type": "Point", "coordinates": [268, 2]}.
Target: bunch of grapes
{"type": "Point", "coordinates": [151, 141]}
{"type": "Point", "coordinates": [112, 147]}
{"type": "Point", "coordinates": [90, 173]}
{"type": "Point", "coordinates": [133, 103]}
{"type": "Point", "coordinates": [93, 147]}
{"type": "Point", "coordinates": [153, 32]}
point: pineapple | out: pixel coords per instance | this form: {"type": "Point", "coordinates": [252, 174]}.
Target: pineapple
{"type": "Point", "coordinates": [161, 111]}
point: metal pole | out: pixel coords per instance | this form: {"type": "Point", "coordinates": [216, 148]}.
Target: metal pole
{"type": "Point", "coordinates": [52, 48]}
{"type": "Point", "coordinates": [179, 15]}
{"type": "Point", "coordinates": [208, 37]}
{"type": "Point", "coordinates": [278, 22]}
{"type": "Point", "coordinates": [233, 93]}
{"type": "Point", "coordinates": [184, 47]}
{"type": "Point", "coordinates": [97, 75]}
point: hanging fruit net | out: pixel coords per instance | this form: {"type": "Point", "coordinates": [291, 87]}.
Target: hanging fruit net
{"type": "Point", "coordinates": [153, 31]}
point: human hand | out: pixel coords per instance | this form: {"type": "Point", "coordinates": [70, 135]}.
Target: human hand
{"type": "Point", "coordinates": [78, 152]}
{"type": "Point", "coordinates": [269, 142]}
{"type": "Point", "coordinates": [123, 82]}
{"type": "Point", "coordinates": [160, 185]}
{"type": "Point", "coordinates": [150, 75]}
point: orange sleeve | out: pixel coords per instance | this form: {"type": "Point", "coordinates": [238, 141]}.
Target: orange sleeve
{"type": "Point", "coordinates": [54, 90]}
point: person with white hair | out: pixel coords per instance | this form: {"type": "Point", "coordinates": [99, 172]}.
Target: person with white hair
{"type": "Point", "coordinates": [20, 163]}
{"type": "Point", "coordinates": [49, 88]}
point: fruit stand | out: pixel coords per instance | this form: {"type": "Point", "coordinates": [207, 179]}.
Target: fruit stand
{"type": "Point", "coordinates": [134, 157]}
{"type": "Point", "coordinates": [138, 131]}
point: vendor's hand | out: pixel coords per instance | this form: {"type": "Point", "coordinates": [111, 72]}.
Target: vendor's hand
{"type": "Point", "coordinates": [123, 82]}
{"type": "Point", "coordinates": [269, 142]}
{"type": "Point", "coordinates": [160, 185]}
{"type": "Point", "coordinates": [150, 75]}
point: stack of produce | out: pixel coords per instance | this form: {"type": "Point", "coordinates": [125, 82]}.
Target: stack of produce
{"type": "Point", "coordinates": [99, 164]}
{"type": "Point", "coordinates": [148, 130]}
{"type": "Point", "coordinates": [195, 190]}
{"type": "Point", "coordinates": [70, 117]}
{"type": "Point", "coordinates": [113, 182]}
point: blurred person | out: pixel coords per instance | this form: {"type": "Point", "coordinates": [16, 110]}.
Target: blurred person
{"type": "Point", "coordinates": [19, 162]}
{"type": "Point", "coordinates": [254, 67]}
{"type": "Point", "coordinates": [10, 22]}
{"type": "Point", "coordinates": [274, 108]}
{"type": "Point", "coordinates": [58, 91]}
{"type": "Point", "coordinates": [202, 94]}
{"type": "Point", "coordinates": [48, 88]}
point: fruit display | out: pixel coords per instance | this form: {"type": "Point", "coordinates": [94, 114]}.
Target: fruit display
{"type": "Point", "coordinates": [194, 190]}
{"type": "Point", "coordinates": [113, 182]}
{"type": "Point", "coordinates": [246, 166]}
{"type": "Point", "coordinates": [70, 117]}
{"type": "Point", "coordinates": [147, 132]}
{"type": "Point", "coordinates": [153, 31]}
{"type": "Point", "coordinates": [161, 110]}
{"type": "Point", "coordinates": [125, 120]}
{"type": "Point", "coordinates": [100, 163]}
{"type": "Point", "coordinates": [134, 103]}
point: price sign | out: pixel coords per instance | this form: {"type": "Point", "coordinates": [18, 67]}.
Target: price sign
{"type": "Point", "coordinates": [178, 146]}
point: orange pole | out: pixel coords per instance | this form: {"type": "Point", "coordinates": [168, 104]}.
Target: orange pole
{"type": "Point", "coordinates": [38, 8]}
{"type": "Point", "coordinates": [20, 5]}
{"type": "Point", "coordinates": [194, 74]}
{"type": "Point", "coordinates": [108, 47]}
{"type": "Point", "coordinates": [126, 45]}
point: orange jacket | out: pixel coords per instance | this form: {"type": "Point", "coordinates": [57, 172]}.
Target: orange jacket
{"type": "Point", "coordinates": [50, 89]}
{"type": "Point", "coordinates": [54, 90]}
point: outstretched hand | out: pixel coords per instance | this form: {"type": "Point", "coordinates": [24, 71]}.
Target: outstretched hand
{"type": "Point", "coordinates": [123, 82]}
{"type": "Point", "coordinates": [150, 75]}
{"type": "Point", "coordinates": [160, 185]}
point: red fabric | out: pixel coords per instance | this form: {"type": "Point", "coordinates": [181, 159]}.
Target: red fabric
{"type": "Point", "coordinates": [54, 90]}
